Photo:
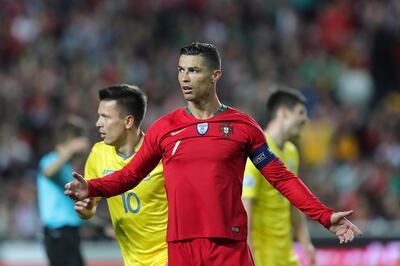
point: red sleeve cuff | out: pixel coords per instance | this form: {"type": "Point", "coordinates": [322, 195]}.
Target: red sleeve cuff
{"type": "Point", "coordinates": [326, 219]}
{"type": "Point", "coordinates": [90, 189]}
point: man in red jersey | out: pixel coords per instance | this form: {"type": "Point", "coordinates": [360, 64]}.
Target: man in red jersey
{"type": "Point", "coordinates": [203, 147]}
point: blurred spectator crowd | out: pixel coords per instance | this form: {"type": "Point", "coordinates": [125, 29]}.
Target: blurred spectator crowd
{"type": "Point", "coordinates": [343, 55]}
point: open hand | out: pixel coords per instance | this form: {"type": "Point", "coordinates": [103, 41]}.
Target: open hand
{"type": "Point", "coordinates": [342, 227]}
{"type": "Point", "coordinates": [78, 189]}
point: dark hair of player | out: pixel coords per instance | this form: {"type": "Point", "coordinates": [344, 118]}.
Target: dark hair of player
{"type": "Point", "coordinates": [286, 97]}
{"type": "Point", "coordinates": [130, 100]}
{"type": "Point", "coordinates": [206, 50]}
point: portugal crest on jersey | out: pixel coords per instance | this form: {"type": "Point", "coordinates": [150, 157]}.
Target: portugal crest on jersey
{"type": "Point", "coordinates": [226, 129]}
{"type": "Point", "coordinates": [202, 128]}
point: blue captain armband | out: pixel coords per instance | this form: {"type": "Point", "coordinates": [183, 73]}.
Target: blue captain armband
{"type": "Point", "coordinates": [262, 156]}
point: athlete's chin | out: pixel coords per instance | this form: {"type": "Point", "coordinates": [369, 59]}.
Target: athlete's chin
{"type": "Point", "coordinates": [188, 97]}
{"type": "Point", "coordinates": [106, 141]}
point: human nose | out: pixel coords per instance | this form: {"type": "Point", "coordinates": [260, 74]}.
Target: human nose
{"type": "Point", "coordinates": [98, 122]}
{"type": "Point", "coordinates": [185, 76]}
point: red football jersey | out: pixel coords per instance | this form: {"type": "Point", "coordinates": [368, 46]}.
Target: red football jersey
{"type": "Point", "coordinates": [203, 162]}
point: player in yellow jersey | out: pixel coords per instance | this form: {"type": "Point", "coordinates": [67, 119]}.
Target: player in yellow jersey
{"type": "Point", "coordinates": [139, 216]}
{"type": "Point", "coordinates": [271, 216]}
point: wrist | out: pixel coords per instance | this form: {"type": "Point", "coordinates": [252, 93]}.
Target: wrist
{"type": "Point", "coordinates": [85, 215]}
{"type": "Point", "coordinates": [90, 189]}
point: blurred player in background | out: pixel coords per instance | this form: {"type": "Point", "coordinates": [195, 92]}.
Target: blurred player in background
{"type": "Point", "coordinates": [204, 147]}
{"type": "Point", "coordinates": [61, 223]}
{"type": "Point", "coordinates": [270, 215]}
{"type": "Point", "coordinates": [139, 216]}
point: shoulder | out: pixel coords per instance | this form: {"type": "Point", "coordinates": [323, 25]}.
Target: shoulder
{"type": "Point", "coordinates": [167, 121]}
{"type": "Point", "coordinates": [241, 117]}
{"type": "Point", "coordinates": [290, 149]}
{"type": "Point", "coordinates": [170, 117]}
{"type": "Point", "coordinates": [245, 122]}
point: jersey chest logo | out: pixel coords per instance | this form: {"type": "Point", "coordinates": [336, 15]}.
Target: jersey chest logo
{"type": "Point", "coordinates": [202, 128]}
{"type": "Point", "coordinates": [226, 129]}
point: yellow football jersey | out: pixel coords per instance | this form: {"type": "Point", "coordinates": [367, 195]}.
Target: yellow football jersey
{"type": "Point", "coordinates": [271, 223]}
{"type": "Point", "coordinates": [139, 216]}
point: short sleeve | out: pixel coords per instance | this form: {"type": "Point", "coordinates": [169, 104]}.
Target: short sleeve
{"type": "Point", "coordinates": [90, 165]}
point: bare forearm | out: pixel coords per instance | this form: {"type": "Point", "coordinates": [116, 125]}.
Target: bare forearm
{"type": "Point", "coordinates": [53, 169]}
{"type": "Point", "coordinates": [299, 222]}
{"type": "Point", "coordinates": [124, 179]}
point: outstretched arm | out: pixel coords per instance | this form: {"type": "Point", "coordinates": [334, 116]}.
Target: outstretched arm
{"type": "Point", "coordinates": [112, 184]}
{"type": "Point", "coordinates": [120, 181]}
{"type": "Point", "coordinates": [294, 189]}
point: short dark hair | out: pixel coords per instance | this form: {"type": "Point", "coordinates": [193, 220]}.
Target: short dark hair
{"type": "Point", "coordinates": [206, 50]}
{"type": "Point", "coordinates": [282, 96]}
{"type": "Point", "coordinates": [130, 100]}
{"type": "Point", "coordinates": [71, 127]}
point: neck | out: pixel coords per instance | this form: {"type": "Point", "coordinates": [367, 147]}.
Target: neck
{"type": "Point", "coordinates": [204, 109]}
{"type": "Point", "coordinates": [129, 145]}
{"type": "Point", "coordinates": [276, 132]}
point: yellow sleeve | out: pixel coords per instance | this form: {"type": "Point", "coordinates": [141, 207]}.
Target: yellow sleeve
{"type": "Point", "coordinates": [90, 170]}
{"type": "Point", "coordinates": [90, 165]}
{"type": "Point", "coordinates": [250, 180]}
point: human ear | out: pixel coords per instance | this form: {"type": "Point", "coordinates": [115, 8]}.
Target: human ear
{"type": "Point", "coordinates": [216, 75]}
{"type": "Point", "coordinates": [129, 121]}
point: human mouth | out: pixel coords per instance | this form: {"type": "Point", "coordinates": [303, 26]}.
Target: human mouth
{"type": "Point", "coordinates": [186, 89]}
